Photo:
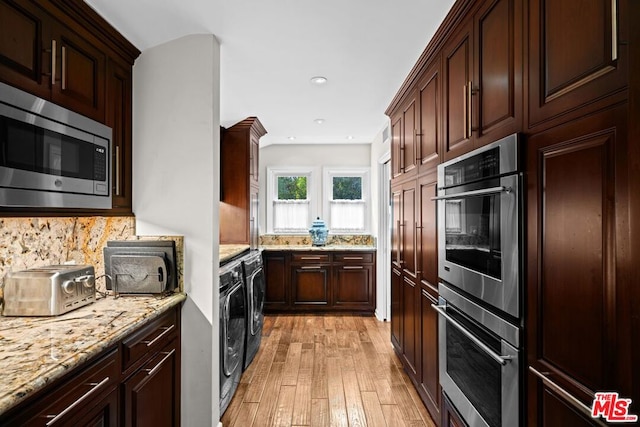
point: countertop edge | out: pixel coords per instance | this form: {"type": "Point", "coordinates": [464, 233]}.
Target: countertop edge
{"type": "Point", "coordinates": [29, 388]}
{"type": "Point", "coordinates": [299, 248]}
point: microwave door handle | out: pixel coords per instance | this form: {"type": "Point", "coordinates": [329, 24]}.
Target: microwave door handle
{"type": "Point", "coordinates": [495, 356]}
{"type": "Point", "coordinates": [483, 192]}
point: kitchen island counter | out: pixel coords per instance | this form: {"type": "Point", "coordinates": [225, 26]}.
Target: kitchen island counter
{"type": "Point", "coordinates": [36, 351]}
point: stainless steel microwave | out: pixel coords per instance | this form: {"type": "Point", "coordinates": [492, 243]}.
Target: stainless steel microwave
{"type": "Point", "coordinates": [51, 157]}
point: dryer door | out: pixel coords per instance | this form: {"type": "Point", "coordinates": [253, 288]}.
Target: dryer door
{"type": "Point", "coordinates": [233, 329]}
{"type": "Point", "coordinates": [257, 294]}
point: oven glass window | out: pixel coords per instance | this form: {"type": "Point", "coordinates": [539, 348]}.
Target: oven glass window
{"type": "Point", "coordinates": [472, 230]}
{"type": "Point", "coordinates": [476, 374]}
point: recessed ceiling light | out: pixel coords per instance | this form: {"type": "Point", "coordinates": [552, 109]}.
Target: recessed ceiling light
{"type": "Point", "coordinates": [318, 80]}
{"type": "Point", "coordinates": [292, 138]}
{"type": "Point", "coordinates": [319, 121]}
{"type": "Point", "coordinates": [350, 137]}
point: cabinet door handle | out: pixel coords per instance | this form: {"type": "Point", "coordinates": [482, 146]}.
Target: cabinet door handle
{"type": "Point", "coordinates": [64, 68]}
{"type": "Point", "coordinates": [159, 365]}
{"type": "Point", "coordinates": [53, 62]}
{"type": "Point", "coordinates": [167, 329]}
{"type": "Point", "coordinates": [310, 267]}
{"type": "Point", "coordinates": [117, 170]}
{"type": "Point", "coordinates": [470, 109]}
{"type": "Point", "coordinates": [614, 30]}
{"type": "Point", "coordinates": [564, 393]}
{"type": "Point", "coordinates": [353, 267]}
{"type": "Point", "coordinates": [87, 395]}
{"type": "Point", "coordinates": [465, 111]}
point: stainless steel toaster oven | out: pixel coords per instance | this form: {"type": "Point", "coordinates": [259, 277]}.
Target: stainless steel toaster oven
{"type": "Point", "coordinates": [49, 290]}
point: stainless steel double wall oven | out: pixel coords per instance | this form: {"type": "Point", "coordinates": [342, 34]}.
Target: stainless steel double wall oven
{"type": "Point", "coordinates": [479, 264]}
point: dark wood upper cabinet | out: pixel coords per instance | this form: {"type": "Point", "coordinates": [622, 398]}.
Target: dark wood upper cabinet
{"type": "Point", "coordinates": [43, 56]}
{"type": "Point", "coordinates": [118, 118]}
{"type": "Point", "coordinates": [429, 118]}
{"type": "Point", "coordinates": [64, 52]}
{"type": "Point", "coordinates": [23, 60]}
{"type": "Point", "coordinates": [396, 145]}
{"type": "Point", "coordinates": [239, 151]}
{"type": "Point", "coordinates": [457, 60]}
{"type": "Point", "coordinates": [577, 56]}
{"type": "Point", "coordinates": [482, 68]}
{"type": "Point", "coordinates": [497, 76]}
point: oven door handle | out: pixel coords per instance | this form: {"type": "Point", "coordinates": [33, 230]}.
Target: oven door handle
{"type": "Point", "coordinates": [495, 356]}
{"type": "Point", "coordinates": [482, 192]}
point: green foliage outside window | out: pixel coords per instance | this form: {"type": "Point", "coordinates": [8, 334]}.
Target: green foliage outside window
{"type": "Point", "coordinates": [292, 188]}
{"type": "Point", "coordinates": [347, 188]}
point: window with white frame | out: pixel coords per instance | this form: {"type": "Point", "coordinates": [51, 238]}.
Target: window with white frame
{"type": "Point", "coordinates": [289, 207]}
{"type": "Point", "coordinates": [346, 198]}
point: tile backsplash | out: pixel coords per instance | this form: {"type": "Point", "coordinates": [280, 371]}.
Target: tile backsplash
{"type": "Point", "coordinates": [34, 242]}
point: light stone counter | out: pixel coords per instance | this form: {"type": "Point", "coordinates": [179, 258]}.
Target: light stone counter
{"type": "Point", "coordinates": [360, 248]}
{"type": "Point", "coordinates": [34, 351]}
{"type": "Point", "coordinates": [229, 251]}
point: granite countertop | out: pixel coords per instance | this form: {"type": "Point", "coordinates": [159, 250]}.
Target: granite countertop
{"type": "Point", "coordinates": [38, 350]}
{"type": "Point", "coordinates": [229, 251]}
{"type": "Point", "coordinates": [360, 248]}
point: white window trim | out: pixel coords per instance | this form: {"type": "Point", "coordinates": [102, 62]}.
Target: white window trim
{"type": "Point", "coordinates": [362, 172]}
{"type": "Point", "coordinates": [272, 192]}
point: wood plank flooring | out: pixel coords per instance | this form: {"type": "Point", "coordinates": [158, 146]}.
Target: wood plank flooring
{"type": "Point", "coordinates": [321, 370]}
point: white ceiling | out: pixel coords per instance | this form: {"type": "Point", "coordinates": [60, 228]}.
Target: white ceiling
{"type": "Point", "coordinates": [271, 48]}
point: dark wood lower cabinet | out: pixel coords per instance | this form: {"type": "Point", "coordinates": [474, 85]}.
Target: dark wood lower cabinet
{"type": "Point", "coordinates": [396, 314]}
{"type": "Point", "coordinates": [310, 285]}
{"type": "Point", "coordinates": [450, 416]}
{"type": "Point", "coordinates": [276, 271]}
{"type": "Point", "coordinates": [429, 377]}
{"type": "Point", "coordinates": [579, 287]}
{"type": "Point", "coordinates": [320, 281]}
{"type": "Point", "coordinates": [136, 382]}
{"type": "Point", "coordinates": [410, 325]}
{"type": "Point", "coordinates": [150, 397]}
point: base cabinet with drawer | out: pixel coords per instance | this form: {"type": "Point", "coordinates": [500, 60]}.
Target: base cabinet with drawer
{"type": "Point", "coordinates": [320, 281]}
{"type": "Point", "coordinates": [135, 382]}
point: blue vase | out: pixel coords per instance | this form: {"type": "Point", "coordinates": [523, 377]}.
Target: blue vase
{"type": "Point", "coordinates": [319, 232]}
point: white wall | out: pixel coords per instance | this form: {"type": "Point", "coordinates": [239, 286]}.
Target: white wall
{"type": "Point", "coordinates": [380, 151]}
{"type": "Point", "coordinates": [176, 119]}
{"type": "Point", "coordinates": [315, 155]}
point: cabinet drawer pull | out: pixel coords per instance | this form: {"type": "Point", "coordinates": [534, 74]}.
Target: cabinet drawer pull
{"type": "Point", "coordinates": [311, 267]}
{"type": "Point", "coordinates": [353, 267]}
{"type": "Point", "coordinates": [87, 395]}
{"type": "Point", "coordinates": [564, 393]}
{"type": "Point", "coordinates": [167, 329]}
{"type": "Point", "coordinates": [353, 257]}
{"type": "Point", "coordinates": [310, 257]}
{"type": "Point", "coordinates": [159, 365]}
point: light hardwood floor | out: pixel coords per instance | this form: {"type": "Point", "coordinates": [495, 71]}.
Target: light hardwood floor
{"type": "Point", "coordinates": [325, 371]}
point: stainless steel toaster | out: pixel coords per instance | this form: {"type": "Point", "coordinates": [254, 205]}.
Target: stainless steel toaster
{"type": "Point", "coordinates": [49, 290]}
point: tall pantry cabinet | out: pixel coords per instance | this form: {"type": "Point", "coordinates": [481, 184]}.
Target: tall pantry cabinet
{"type": "Point", "coordinates": [557, 73]}
{"type": "Point", "coordinates": [239, 151]}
